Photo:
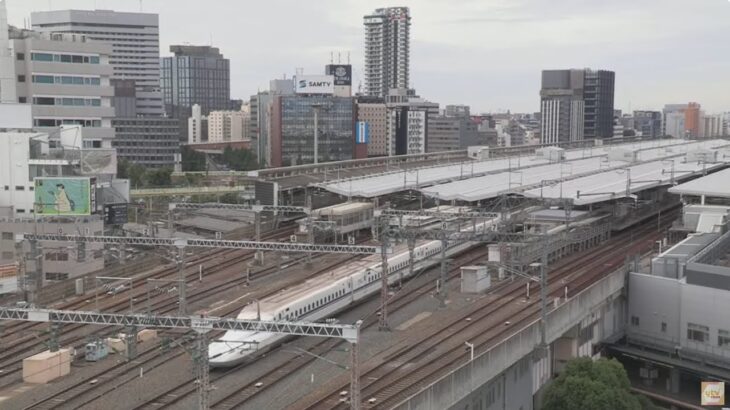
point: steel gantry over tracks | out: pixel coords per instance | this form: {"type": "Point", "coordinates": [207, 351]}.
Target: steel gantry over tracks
{"type": "Point", "coordinates": [204, 243]}
{"type": "Point", "coordinates": [182, 243]}
{"type": "Point", "coordinates": [202, 325]}
{"type": "Point", "coordinates": [243, 207]}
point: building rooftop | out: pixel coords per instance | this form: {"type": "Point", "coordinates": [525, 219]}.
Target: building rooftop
{"type": "Point", "coordinates": [713, 185]}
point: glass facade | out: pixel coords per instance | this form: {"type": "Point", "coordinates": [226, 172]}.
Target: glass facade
{"type": "Point", "coordinates": [152, 142]}
{"type": "Point", "coordinates": [64, 58]}
{"type": "Point", "coordinates": [336, 129]}
{"type": "Point", "coordinates": [202, 78]}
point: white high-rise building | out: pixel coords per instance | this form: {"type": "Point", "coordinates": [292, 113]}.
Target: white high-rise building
{"type": "Point", "coordinates": [225, 126]}
{"type": "Point", "coordinates": [197, 126]}
{"type": "Point", "coordinates": [387, 50]}
{"type": "Point", "coordinates": [135, 42]}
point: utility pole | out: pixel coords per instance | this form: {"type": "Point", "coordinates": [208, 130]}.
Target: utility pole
{"type": "Point", "coordinates": [355, 370]}
{"type": "Point", "coordinates": [182, 308]}
{"type": "Point", "coordinates": [442, 280]}
{"type": "Point", "coordinates": [316, 108]}
{"type": "Point", "coordinates": [383, 321]}
{"type": "Point", "coordinates": [202, 370]}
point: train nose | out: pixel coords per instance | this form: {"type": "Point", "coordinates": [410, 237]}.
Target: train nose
{"type": "Point", "coordinates": [221, 354]}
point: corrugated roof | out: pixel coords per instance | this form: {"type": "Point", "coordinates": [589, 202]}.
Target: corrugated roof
{"type": "Point", "coordinates": [715, 184]}
{"type": "Point", "coordinates": [388, 183]}
{"type": "Point", "coordinates": [589, 176]}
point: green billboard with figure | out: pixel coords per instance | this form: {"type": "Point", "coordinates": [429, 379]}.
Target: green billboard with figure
{"type": "Point", "coordinates": [63, 196]}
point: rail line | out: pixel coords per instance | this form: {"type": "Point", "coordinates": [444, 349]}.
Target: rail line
{"type": "Point", "coordinates": [389, 383]}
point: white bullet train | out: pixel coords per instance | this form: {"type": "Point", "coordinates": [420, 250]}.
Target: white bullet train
{"type": "Point", "coordinates": [326, 294]}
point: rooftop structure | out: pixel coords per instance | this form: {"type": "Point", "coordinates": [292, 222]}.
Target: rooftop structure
{"type": "Point", "coordinates": [489, 178]}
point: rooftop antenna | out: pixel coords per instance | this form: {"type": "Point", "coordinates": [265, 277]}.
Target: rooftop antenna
{"type": "Point", "coordinates": [348, 57]}
{"type": "Point", "coordinates": [140, 6]}
{"type": "Point", "coordinates": [332, 57]}
{"type": "Point", "coordinates": [339, 57]}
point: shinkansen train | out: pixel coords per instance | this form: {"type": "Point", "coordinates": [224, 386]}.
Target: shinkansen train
{"type": "Point", "coordinates": [325, 295]}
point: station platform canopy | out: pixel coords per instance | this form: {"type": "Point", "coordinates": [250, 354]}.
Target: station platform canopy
{"type": "Point", "coordinates": [583, 181]}
{"type": "Point", "coordinates": [371, 186]}
{"type": "Point", "coordinates": [713, 185]}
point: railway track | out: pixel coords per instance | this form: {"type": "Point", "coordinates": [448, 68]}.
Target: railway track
{"type": "Point", "coordinates": [176, 395]}
{"type": "Point", "coordinates": [426, 357]}
{"type": "Point", "coordinates": [82, 393]}
{"type": "Point", "coordinates": [11, 358]}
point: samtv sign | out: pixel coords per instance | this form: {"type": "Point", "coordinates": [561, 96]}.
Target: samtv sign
{"type": "Point", "coordinates": [315, 84]}
{"type": "Point", "coordinates": [64, 196]}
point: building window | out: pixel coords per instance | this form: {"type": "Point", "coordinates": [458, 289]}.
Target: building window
{"type": "Point", "coordinates": [20, 211]}
{"type": "Point", "coordinates": [56, 276]}
{"type": "Point", "coordinates": [698, 333]}
{"type": "Point", "coordinates": [8, 255]}
{"type": "Point", "coordinates": [664, 327]}
{"type": "Point", "coordinates": [21, 78]}
{"type": "Point", "coordinates": [19, 188]}
{"type": "Point", "coordinates": [723, 338]}
{"type": "Point", "coordinates": [60, 256]}
{"type": "Point", "coordinates": [7, 188]}
{"type": "Point", "coordinates": [20, 56]}
{"type": "Point", "coordinates": [634, 321]}
{"type": "Point", "coordinates": [7, 236]}
{"type": "Point", "coordinates": [22, 100]}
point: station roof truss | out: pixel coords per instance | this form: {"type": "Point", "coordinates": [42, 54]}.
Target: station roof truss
{"type": "Point", "coordinates": [205, 243]}
{"type": "Point", "coordinates": [199, 324]}
{"type": "Point", "coordinates": [241, 207]}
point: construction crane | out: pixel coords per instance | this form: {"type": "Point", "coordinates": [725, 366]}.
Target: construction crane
{"type": "Point", "coordinates": [202, 326]}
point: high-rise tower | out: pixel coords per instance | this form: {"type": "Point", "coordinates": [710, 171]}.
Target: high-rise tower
{"type": "Point", "coordinates": [135, 41]}
{"type": "Point", "coordinates": [387, 50]}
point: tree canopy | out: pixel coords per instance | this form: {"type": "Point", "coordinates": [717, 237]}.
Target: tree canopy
{"type": "Point", "coordinates": [589, 385]}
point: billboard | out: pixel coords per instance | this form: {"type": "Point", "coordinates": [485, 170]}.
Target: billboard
{"type": "Point", "coordinates": [342, 73]}
{"type": "Point", "coordinates": [713, 394]}
{"type": "Point", "coordinates": [362, 132]}
{"type": "Point", "coordinates": [64, 196]}
{"type": "Point", "coordinates": [116, 214]}
{"type": "Point", "coordinates": [315, 84]}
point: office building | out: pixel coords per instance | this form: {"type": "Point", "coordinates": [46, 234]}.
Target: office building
{"type": "Point", "coordinates": [407, 122]}
{"type": "Point", "coordinates": [134, 41]}
{"type": "Point", "coordinates": [648, 124]}
{"type": "Point", "coordinates": [342, 74]}
{"type": "Point", "coordinates": [456, 110]}
{"type": "Point", "coordinates": [197, 126]}
{"type": "Point", "coordinates": [448, 133]}
{"type": "Point", "coordinates": [66, 79]}
{"type": "Point", "coordinates": [292, 129]}
{"type": "Point", "coordinates": [387, 50]}
{"type": "Point", "coordinates": [373, 112]}
{"type": "Point", "coordinates": [195, 75]}
{"type": "Point", "coordinates": [712, 126]}
{"type": "Point", "coordinates": [224, 126]}
{"type": "Point", "coordinates": [576, 105]}
{"type": "Point", "coordinates": [260, 117]}
{"type": "Point", "coordinates": [693, 120]}
{"type": "Point", "coordinates": [149, 141]}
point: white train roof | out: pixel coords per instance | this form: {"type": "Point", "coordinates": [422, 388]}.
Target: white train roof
{"type": "Point", "coordinates": [713, 185]}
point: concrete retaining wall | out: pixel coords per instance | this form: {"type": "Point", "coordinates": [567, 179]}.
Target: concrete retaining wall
{"type": "Point", "coordinates": [455, 386]}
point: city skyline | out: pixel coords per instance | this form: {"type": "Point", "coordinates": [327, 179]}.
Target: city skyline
{"type": "Point", "coordinates": [660, 55]}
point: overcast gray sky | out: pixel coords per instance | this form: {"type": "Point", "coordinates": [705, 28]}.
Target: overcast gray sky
{"type": "Point", "coordinates": [485, 53]}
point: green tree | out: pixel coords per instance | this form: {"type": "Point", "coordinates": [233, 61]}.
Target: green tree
{"type": "Point", "coordinates": [589, 385]}
{"type": "Point", "coordinates": [239, 159]}
{"type": "Point", "coordinates": [123, 169]}
{"type": "Point", "coordinates": [192, 160]}
{"type": "Point", "coordinates": [136, 175]}
{"type": "Point", "coordinates": [160, 177]}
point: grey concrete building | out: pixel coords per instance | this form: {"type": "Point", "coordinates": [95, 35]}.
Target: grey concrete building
{"type": "Point", "coordinates": [576, 105]}
{"type": "Point", "coordinates": [195, 75]}
{"type": "Point", "coordinates": [407, 124]}
{"type": "Point", "coordinates": [648, 123]}
{"type": "Point", "coordinates": [148, 141]}
{"type": "Point", "coordinates": [66, 79]}
{"type": "Point", "coordinates": [387, 50]}
{"type": "Point", "coordinates": [135, 46]}
{"type": "Point", "coordinates": [449, 133]}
